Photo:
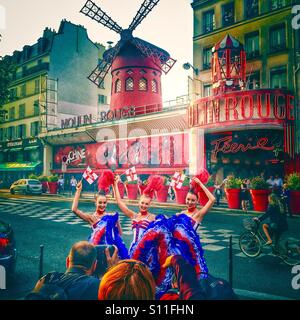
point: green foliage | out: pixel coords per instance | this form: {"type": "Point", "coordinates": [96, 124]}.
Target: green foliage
{"type": "Point", "coordinates": [6, 70]}
{"type": "Point", "coordinates": [293, 181]}
{"type": "Point", "coordinates": [258, 183]}
{"type": "Point", "coordinates": [53, 178]}
{"type": "Point", "coordinates": [233, 183]}
{"type": "Point", "coordinates": [33, 176]}
{"type": "Point", "coordinates": [43, 178]}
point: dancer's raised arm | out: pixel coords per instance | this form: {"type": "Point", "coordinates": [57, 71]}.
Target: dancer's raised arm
{"type": "Point", "coordinates": [211, 200]}
{"type": "Point", "coordinates": [129, 213]}
{"type": "Point", "coordinates": [79, 213]}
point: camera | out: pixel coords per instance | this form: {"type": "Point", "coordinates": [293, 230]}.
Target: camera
{"type": "Point", "coordinates": [101, 259]}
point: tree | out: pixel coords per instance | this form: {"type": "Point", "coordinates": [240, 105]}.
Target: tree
{"type": "Point", "coordinates": [6, 70]}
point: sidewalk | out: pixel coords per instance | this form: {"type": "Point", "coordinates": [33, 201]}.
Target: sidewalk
{"type": "Point", "coordinates": [89, 197]}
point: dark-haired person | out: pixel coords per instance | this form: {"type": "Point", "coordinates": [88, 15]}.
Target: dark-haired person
{"type": "Point", "coordinates": [106, 227]}
{"type": "Point", "coordinates": [277, 222]}
{"type": "Point", "coordinates": [196, 215]}
{"type": "Point", "coordinates": [77, 283]}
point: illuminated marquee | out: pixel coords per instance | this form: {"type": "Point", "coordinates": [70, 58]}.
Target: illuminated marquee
{"type": "Point", "coordinates": [242, 107]}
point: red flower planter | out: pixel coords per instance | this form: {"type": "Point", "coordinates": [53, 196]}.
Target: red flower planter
{"type": "Point", "coordinates": [181, 194]}
{"type": "Point", "coordinates": [295, 202]}
{"type": "Point", "coordinates": [53, 187]}
{"type": "Point", "coordinates": [162, 194]}
{"type": "Point", "coordinates": [132, 191]}
{"type": "Point", "coordinates": [233, 198]}
{"type": "Point", "coordinates": [260, 199]}
{"type": "Point", "coordinates": [203, 199]}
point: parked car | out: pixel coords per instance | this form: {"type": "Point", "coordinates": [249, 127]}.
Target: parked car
{"type": "Point", "coordinates": [8, 251]}
{"type": "Point", "coordinates": [26, 186]}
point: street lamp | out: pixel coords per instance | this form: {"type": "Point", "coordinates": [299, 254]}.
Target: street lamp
{"type": "Point", "coordinates": [187, 66]}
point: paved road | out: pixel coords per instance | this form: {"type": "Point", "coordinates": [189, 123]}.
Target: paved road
{"type": "Point", "coordinates": [49, 221]}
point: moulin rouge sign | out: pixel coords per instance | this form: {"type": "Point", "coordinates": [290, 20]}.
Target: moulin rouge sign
{"type": "Point", "coordinates": [242, 107]}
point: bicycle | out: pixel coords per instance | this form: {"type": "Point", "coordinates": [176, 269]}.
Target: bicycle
{"type": "Point", "coordinates": [252, 241]}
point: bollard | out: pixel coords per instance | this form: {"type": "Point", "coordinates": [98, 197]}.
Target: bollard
{"type": "Point", "coordinates": [230, 264]}
{"type": "Point", "coordinates": [41, 261]}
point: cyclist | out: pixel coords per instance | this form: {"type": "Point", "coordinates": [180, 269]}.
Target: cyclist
{"type": "Point", "coordinates": [277, 219]}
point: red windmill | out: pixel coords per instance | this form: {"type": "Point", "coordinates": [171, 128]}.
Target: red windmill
{"type": "Point", "coordinates": [228, 65]}
{"type": "Point", "coordinates": [136, 65]}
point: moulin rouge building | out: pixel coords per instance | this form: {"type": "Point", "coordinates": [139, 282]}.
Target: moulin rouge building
{"type": "Point", "coordinates": [233, 131]}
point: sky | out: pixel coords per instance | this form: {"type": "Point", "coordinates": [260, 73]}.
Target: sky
{"type": "Point", "coordinates": [169, 26]}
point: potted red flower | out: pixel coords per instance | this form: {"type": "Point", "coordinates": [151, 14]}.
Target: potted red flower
{"type": "Point", "coordinates": [293, 184]}
{"type": "Point", "coordinates": [232, 191]}
{"type": "Point", "coordinates": [260, 192]}
{"type": "Point", "coordinates": [53, 184]}
{"type": "Point", "coordinates": [183, 191]}
{"type": "Point", "coordinates": [131, 189]}
{"type": "Point", "coordinates": [44, 182]}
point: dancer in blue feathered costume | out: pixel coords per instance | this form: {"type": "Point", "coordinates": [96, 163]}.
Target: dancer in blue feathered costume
{"type": "Point", "coordinates": [106, 228]}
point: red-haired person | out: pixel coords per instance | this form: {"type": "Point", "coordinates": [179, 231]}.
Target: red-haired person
{"type": "Point", "coordinates": [127, 280]}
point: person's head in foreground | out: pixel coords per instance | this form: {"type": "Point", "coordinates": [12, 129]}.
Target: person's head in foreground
{"type": "Point", "coordinates": [128, 280]}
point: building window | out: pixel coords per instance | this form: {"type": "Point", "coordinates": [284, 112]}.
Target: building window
{"type": "Point", "coordinates": [11, 133]}
{"type": "Point", "coordinates": [21, 131]}
{"type": "Point", "coordinates": [21, 111]}
{"type": "Point", "coordinates": [277, 4]}
{"type": "Point", "coordinates": [228, 14]}
{"type": "Point", "coordinates": [13, 94]}
{"type": "Point", "coordinates": [252, 45]}
{"type": "Point", "coordinates": [253, 81]}
{"type": "Point", "coordinates": [154, 86]}
{"type": "Point", "coordinates": [23, 90]}
{"type": "Point", "coordinates": [36, 108]}
{"type": "Point", "coordinates": [102, 85]}
{"type": "Point", "coordinates": [118, 86]}
{"type": "Point", "coordinates": [102, 99]}
{"type": "Point", "coordinates": [34, 129]}
{"type": "Point", "coordinates": [277, 38]}
{"type": "Point", "coordinates": [36, 86]}
{"type": "Point", "coordinates": [251, 8]}
{"type": "Point", "coordinates": [129, 71]}
{"type": "Point", "coordinates": [143, 71]}
{"type": "Point", "coordinates": [12, 113]}
{"type": "Point", "coordinates": [207, 90]}
{"type": "Point", "coordinates": [209, 21]}
{"type": "Point", "coordinates": [129, 84]}
{"type": "Point", "coordinates": [207, 55]}
{"type": "Point", "coordinates": [2, 135]}
{"type": "Point", "coordinates": [143, 84]}
{"type": "Point", "coordinates": [278, 78]}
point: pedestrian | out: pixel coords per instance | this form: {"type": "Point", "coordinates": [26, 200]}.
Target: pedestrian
{"type": "Point", "coordinates": [61, 184]}
{"type": "Point", "coordinates": [285, 198]}
{"type": "Point", "coordinates": [278, 183]}
{"type": "Point", "coordinates": [77, 283]}
{"type": "Point", "coordinates": [218, 193]}
{"type": "Point", "coordinates": [244, 195]}
{"type": "Point", "coordinates": [270, 182]}
{"type": "Point", "coordinates": [73, 184]}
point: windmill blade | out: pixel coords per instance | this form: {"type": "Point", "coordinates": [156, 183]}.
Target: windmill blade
{"type": "Point", "coordinates": [91, 10]}
{"type": "Point", "coordinates": [145, 8]}
{"type": "Point", "coordinates": [100, 72]}
{"type": "Point", "coordinates": [159, 57]}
